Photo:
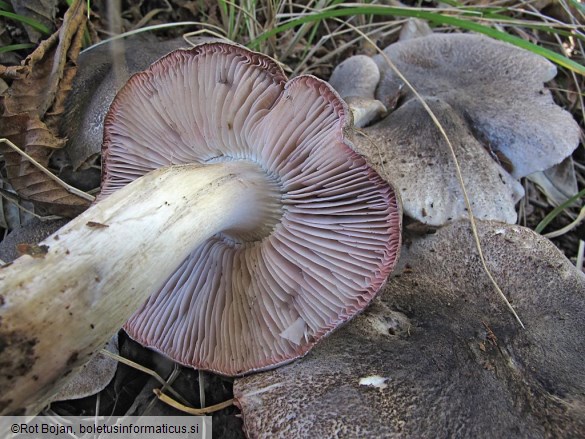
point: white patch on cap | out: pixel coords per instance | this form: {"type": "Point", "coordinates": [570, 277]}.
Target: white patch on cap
{"type": "Point", "coordinates": [295, 332]}
{"type": "Point", "coordinates": [374, 381]}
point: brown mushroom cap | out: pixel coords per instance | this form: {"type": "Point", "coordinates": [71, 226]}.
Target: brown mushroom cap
{"type": "Point", "coordinates": [436, 356]}
{"type": "Point", "coordinates": [237, 305]}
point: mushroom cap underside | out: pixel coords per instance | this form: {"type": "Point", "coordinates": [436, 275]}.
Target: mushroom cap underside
{"type": "Point", "coordinates": [234, 307]}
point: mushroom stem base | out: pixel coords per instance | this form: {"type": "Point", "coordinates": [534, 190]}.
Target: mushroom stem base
{"type": "Point", "coordinates": [58, 307]}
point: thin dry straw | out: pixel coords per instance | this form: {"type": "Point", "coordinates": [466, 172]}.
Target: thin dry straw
{"type": "Point", "coordinates": [568, 227]}
{"type": "Point", "coordinates": [144, 369]}
{"type": "Point", "coordinates": [193, 411]}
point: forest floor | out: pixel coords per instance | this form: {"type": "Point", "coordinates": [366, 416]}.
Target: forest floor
{"type": "Point", "coordinates": [315, 48]}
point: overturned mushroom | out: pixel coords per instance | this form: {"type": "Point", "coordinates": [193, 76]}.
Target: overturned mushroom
{"type": "Point", "coordinates": [278, 234]}
{"type": "Point", "coordinates": [489, 96]}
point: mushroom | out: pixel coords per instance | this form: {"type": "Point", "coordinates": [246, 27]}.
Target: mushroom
{"type": "Point", "coordinates": [558, 183]}
{"type": "Point", "coordinates": [359, 93]}
{"type": "Point", "coordinates": [437, 356]}
{"type": "Point", "coordinates": [274, 233]}
{"type": "Point", "coordinates": [490, 99]}
{"type": "Point", "coordinates": [102, 71]}
{"type": "Point", "coordinates": [414, 28]}
{"type": "Point", "coordinates": [97, 373]}
{"type": "Point", "coordinates": [409, 147]}
{"type": "Point", "coordinates": [93, 377]}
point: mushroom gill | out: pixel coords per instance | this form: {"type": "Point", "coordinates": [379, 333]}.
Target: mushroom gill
{"type": "Point", "coordinates": [236, 304]}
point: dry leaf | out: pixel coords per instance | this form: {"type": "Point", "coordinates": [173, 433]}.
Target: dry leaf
{"type": "Point", "coordinates": [42, 11]}
{"type": "Point", "coordinates": [31, 109]}
{"type": "Point", "coordinates": [12, 72]}
{"type": "Point", "coordinates": [11, 214]}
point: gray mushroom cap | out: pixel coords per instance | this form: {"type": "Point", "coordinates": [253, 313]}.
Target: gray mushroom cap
{"type": "Point", "coordinates": [496, 87]}
{"type": "Point", "coordinates": [495, 110]}
{"type": "Point", "coordinates": [234, 305]}
{"type": "Point", "coordinates": [92, 377]}
{"type": "Point", "coordinates": [356, 76]}
{"type": "Point", "coordinates": [356, 79]}
{"type": "Point", "coordinates": [102, 72]}
{"type": "Point", "coordinates": [436, 355]}
{"type": "Point", "coordinates": [558, 183]}
{"type": "Point", "coordinates": [426, 176]}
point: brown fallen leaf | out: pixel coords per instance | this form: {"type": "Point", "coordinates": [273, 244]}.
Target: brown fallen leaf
{"type": "Point", "coordinates": [11, 72]}
{"type": "Point", "coordinates": [31, 108]}
{"type": "Point", "coordinates": [42, 11]}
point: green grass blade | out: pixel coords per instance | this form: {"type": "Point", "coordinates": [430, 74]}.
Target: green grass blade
{"type": "Point", "coordinates": [425, 15]}
{"type": "Point", "coordinates": [577, 5]}
{"type": "Point", "coordinates": [15, 47]}
{"type": "Point", "coordinates": [154, 27]}
{"type": "Point", "coordinates": [557, 210]}
{"type": "Point", "coordinates": [5, 6]}
{"type": "Point", "coordinates": [497, 14]}
{"type": "Point", "coordinates": [32, 23]}
{"type": "Point", "coordinates": [228, 14]}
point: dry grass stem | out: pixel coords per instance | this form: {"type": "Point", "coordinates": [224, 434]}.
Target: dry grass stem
{"type": "Point", "coordinates": [15, 200]}
{"type": "Point", "coordinates": [191, 410]}
{"type": "Point", "coordinates": [201, 388]}
{"type": "Point", "coordinates": [568, 227]}
{"type": "Point", "coordinates": [144, 369]}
